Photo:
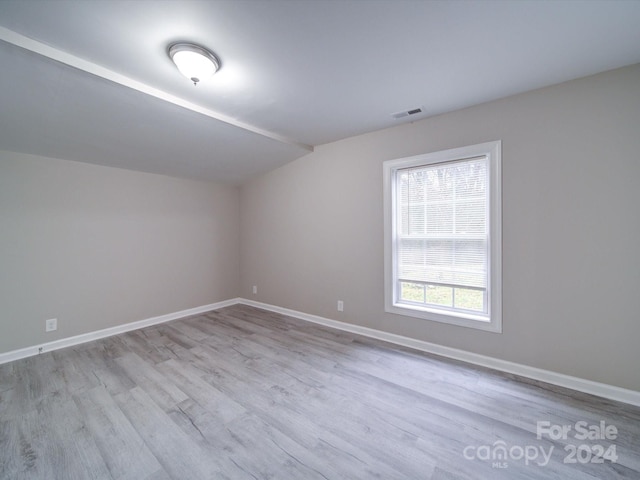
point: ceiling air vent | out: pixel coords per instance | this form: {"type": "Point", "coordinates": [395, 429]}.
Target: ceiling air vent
{"type": "Point", "coordinates": [406, 113]}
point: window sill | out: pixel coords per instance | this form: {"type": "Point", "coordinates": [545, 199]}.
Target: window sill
{"type": "Point", "coordinates": [479, 322]}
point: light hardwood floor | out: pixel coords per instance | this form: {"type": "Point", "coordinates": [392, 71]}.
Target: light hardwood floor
{"type": "Point", "coordinates": [241, 393]}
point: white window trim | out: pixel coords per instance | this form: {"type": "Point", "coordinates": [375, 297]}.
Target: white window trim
{"type": "Point", "coordinates": [492, 323]}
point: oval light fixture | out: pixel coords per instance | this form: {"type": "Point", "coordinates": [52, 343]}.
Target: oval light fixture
{"type": "Point", "coordinates": [194, 62]}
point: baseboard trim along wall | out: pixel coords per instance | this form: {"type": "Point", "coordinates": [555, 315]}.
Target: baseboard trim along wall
{"type": "Point", "coordinates": [611, 392]}
{"type": "Point", "coordinates": [604, 390]}
{"type": "Point", "coordinates": [108, 332]}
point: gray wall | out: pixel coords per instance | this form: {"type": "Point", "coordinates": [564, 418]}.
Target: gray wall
{"type": "Point", "coordinates": [312, 231]}
{"type": "Point", "coordinates": [98, 247]}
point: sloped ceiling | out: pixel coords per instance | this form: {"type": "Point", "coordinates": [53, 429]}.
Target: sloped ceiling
{"type": "Point", "coordinates": [294, 73]}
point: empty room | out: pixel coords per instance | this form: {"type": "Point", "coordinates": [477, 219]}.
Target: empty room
{"type": "Point", "coordinates": [319, 239]}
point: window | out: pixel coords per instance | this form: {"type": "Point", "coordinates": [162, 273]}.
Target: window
{"type": "Point", "coordinates": [443, 236]}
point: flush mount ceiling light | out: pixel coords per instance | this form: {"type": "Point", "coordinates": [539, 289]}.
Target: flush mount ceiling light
{"type": "Point", "coordinates": [194, 62]}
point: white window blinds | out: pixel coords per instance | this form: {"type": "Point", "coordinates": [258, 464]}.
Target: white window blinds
{"type": "Point", "coordinates": [441, 224]}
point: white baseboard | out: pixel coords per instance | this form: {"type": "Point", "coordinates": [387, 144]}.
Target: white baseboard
{"type": "Point", "coordinates": [587, 386]}
{"type": "Point", "coordinates": [582, 385]}
{"type": "Point", "coordinates": [107, 332]}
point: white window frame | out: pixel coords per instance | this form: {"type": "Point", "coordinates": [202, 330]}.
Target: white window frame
{"type": "Point", "coordinates": [492, 321]}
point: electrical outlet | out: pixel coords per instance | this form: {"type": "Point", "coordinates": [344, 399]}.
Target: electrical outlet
{"type": "Point", "coordinates": [340, 306]}
{"type": "Point", "coordinates": [51, 325]}
{"type": "Point", "coordinates": [255, 289]}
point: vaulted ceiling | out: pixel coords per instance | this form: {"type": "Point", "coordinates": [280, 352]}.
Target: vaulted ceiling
{"type": "Point", "coordinates": [91, 81]}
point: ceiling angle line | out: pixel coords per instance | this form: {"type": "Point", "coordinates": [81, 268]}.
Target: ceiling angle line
{"type": "Point", "coordinates": [78, 63]}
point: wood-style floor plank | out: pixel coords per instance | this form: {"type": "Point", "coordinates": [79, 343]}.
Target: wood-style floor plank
{"type": "Point", "coordinates": [241, 393]}
{"type": "Point", "coordinates": [123, 449]}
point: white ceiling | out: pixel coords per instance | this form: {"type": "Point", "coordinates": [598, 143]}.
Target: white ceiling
{"type": "Point", "coordinates": [295, 73]}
